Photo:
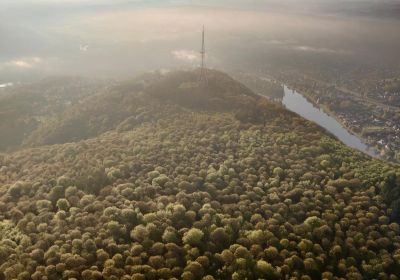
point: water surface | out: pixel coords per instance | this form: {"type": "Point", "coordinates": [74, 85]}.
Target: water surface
{"type": "Point", "coordinates": [297, 103]}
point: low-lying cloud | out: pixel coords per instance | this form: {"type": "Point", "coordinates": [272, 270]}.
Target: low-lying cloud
{"type": "Point", "coordinates": [22, 63]}
{"type": "Point", "coordinates": [318, 50]}
{"type": "Point", "coordinates": [287, 45]}
{"type": "Point", "coordinates": [186, 55]}
{"type": "Point", "coordinates": [125, 37]}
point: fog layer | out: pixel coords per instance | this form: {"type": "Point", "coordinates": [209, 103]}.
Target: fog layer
{"type": "Point", "coordinates": [122, 38]}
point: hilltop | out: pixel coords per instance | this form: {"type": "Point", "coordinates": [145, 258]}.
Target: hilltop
{"type": "Point", "coordinates": [145, 98]}
{"type": "Point", "coordinates": [162, 177]}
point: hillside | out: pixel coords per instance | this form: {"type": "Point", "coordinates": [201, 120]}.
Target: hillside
{"type": "Point", "coordinates": [169, 179]}
{"type": "Point", "coordinates": [139, 100]}
{"type": "Point", "coordinates": [23, 108]}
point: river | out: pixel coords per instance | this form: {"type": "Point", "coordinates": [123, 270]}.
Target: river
{"type": "Point", "coordinates": [297, 103]}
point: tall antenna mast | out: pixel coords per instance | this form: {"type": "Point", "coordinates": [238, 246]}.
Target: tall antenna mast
{"type": "Point", "coordinates": [203, 77]}
{"type": "Point", "coordinates": [203, 50]}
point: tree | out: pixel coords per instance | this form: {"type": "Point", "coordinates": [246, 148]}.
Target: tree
{"type": "Point", "coordinates": [193, 237]}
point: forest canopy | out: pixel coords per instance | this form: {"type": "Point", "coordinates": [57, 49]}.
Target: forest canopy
{"type": "Point", "coordinates": [153, 186]}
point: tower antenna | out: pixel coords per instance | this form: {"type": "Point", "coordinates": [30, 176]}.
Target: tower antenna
{"type": "Point", "coordinates": [203, 77]}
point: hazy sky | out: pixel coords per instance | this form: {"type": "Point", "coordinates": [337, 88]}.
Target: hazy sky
{"type": "Point", "coordinates": [122, 37]}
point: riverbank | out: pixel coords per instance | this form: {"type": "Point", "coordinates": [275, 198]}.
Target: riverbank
{"type": "Point", "coordinates": [309, 108]}
{"type": "Point", "coordinates": [257, 84]}
{"type": "Point", "coordinates": [333, 114]}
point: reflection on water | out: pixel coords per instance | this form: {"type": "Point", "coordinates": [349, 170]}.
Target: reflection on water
{"type": "Point", "coordinates": [297, 103]}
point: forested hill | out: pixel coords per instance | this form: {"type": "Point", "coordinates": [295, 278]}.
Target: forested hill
{"type": "Point", "coordinates": [63, 110]}
{"type": "Point", "coordinates": [162, 177]}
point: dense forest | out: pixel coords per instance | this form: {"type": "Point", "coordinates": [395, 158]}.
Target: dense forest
{"type": "Point", "coordinates": [163, 177]}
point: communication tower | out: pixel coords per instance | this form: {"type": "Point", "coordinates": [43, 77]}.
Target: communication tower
{"type": "Point", "coordinates": [203, 74]}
